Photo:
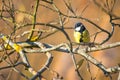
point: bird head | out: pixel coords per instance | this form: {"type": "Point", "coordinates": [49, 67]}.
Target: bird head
{"type": "Point", "coordinates": [79, 27]}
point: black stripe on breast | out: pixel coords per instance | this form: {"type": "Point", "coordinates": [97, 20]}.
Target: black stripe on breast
{"type": "Point", "coordinates": [82, 29]}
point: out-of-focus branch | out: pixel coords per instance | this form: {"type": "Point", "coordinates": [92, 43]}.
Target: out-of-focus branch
{"type": "Point", "coordinates": [24, 57]}
{"type": "Point", "coordinates": [88, 57]}
{"type": "Point", "coordinates": [69, 6]}
{"type": "Point", "coordinates": [82, 52]}
{"type": "Point", "coordinates": [105, 10]}
{"type": "Point", "coordinates": [15, 69]}
{"type": "Point", "coordinates": [109, 10]}
{"type": "Point", "coordinates": [34, 19]}
{"type": "Point", "coordinates": [118, 76]}
{"type": "Point", "coordinates": [20, 51]}
{"type": "Point", "coordinates": [61, 47]}
{"type": "Point", "coordinates": [47, 64]}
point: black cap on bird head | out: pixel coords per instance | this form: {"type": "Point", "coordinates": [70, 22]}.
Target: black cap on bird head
{"type": "Point", "coordinates": [79, 27]}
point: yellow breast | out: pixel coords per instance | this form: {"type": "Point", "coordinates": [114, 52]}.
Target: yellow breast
{"type": "Point", "coordinates": [85, 36]}
{"type": "Point", "coordinates": [77, 36]}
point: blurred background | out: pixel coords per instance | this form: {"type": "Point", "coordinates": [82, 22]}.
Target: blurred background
{"type": "Point", "coordinates": [62, 62]}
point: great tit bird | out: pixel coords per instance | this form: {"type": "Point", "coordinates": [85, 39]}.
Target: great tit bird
{"type": "Point", "coordinates": [81, 34]}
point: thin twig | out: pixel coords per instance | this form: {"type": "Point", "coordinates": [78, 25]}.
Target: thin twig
{"type": "Point", "coordinates": [47, 64]}
{"type": "Point", "coordinates": [34, 19]}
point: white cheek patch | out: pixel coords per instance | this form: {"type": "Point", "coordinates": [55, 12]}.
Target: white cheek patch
{"type": "Point", "coordinates": [78, 28]}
